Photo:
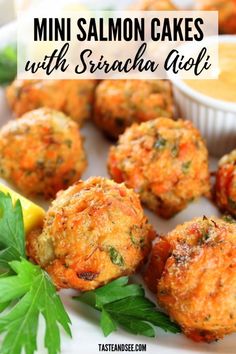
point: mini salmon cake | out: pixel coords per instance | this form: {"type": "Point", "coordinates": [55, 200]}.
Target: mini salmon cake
{"type": "Point", "coordinates": [119, 103]}
{"type": "Point", "coordinates": [225, 187]}
{"type": "Point", "coordinates": [195, 270]}
{"type": "Point", "coordinates": [226, 10]}
{"type": "Point", "coordinates": [164, 161]}
{"type": "Point", "coordinates": [155, 5]}
{"type": "Point", "coordinates": [73, 97]}
{"type": "Point", "coordinates": [41, 153]}
{"type": "Point", "coordinates": [94, 232]}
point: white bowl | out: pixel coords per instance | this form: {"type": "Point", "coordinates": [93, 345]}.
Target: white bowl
{"type": "Point", "coordinates": [216, 119]}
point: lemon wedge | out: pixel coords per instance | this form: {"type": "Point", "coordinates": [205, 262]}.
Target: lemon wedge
{"type": "Point", "coordinates": [33, 214]}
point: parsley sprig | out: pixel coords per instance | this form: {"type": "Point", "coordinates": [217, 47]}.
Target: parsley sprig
{"type": "Point", "coordinates": [125, 305]}
{"type": "Point", "coordinates": [26, 291]}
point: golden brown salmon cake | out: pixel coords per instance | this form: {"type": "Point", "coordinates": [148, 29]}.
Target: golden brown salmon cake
{"type": "Point", "coordinates": [94, 232]}
{"type": "Point", "coordinates": [119, 103]}
{"type": "Point", "coordinates": [165, 161]}
{"type": "Point", "coordinates": [73, 97]}
{"type": "Point", "coordinates": [195, 277]}
{"type": "Point", "coordinates": [155, 5]}
{"type": "Point", "coordinates": [42, 152]}
{"type": "Point", "coordinates": [225, 187]}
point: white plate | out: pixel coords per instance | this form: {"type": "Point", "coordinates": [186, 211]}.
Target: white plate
{"type": "Point", "coordinates": [86, 332]}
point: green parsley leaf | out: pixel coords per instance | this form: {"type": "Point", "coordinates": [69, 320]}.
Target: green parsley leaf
{"type": "Point", "coordinates": [8, 64]}
{"type": "Point", "coordinates": [125, 305]}
{"type": "Point", "coordinates": [142, 308]}
{"type": "Point", "coordinates": [116, 290]}
{"type": "Point", "coordinates": [4, 305]}
{"type": "Point", "coordinates": [36, 295]}
{"type": "Point", "coordinates": [28, 288]}
{"type": "Point", "coordinates": [12, 235]}
{"type": "Point", "coordinates": [135, 326]}
{"type": "Point", "coordinates": [6, 256]}
{"type": "Point", "coordinates": [107, 324]}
